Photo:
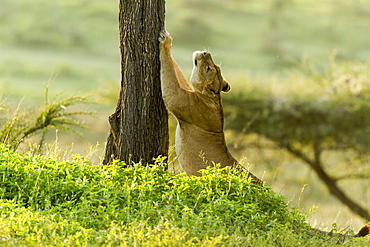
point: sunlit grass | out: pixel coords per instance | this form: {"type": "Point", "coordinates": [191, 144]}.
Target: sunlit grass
{"type": "Point", "coordinates": [76, 43]}
{"type": "Point", "coordinates": [75, 203]}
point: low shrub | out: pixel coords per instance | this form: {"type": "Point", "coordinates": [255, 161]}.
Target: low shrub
{"type": "Point", "coordinates": [50, 203]}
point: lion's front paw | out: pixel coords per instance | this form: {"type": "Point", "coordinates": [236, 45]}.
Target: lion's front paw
{"type": "Point", "coordinates": [165, 37]}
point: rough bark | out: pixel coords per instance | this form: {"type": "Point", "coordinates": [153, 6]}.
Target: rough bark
{"type": "Point", "coordinates": [139, 125]}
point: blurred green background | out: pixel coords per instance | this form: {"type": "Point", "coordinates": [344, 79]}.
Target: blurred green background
{"type": "Point", "coordinates": [73, 45]}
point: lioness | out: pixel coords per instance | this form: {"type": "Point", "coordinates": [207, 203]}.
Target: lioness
{"type": "Point", "coordinates": [197, 107]}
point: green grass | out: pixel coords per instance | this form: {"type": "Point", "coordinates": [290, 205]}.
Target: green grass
{"type": "Point", "coordinates": [75, 45]}
{"type": "Point", "coordinates": [74, 203]}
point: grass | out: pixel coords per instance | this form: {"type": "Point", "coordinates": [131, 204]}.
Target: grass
{"type": "Point", "coordinates": [74, 203]}
{"type": "Point", "coordinates": [75, 44]}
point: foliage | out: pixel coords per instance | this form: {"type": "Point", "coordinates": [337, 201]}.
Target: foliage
{"type": "Point", "coordinates": [21, 124]}
{"type": "Point", "coordinates": [78, 40]}
{"type": "Point", "coordinates": [50, 203]}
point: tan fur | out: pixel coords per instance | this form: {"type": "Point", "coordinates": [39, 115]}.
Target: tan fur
{"type": "Point", "coordinates": [197, 107]}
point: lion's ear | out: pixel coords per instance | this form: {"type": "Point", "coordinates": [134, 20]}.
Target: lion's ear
{"type": "Point", "coordinates": [225, 87]}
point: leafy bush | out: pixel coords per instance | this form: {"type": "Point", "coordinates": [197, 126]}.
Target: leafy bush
{"type": "Point", "coordinates": [76, 203]}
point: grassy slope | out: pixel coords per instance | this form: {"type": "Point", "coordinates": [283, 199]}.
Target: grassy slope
{"type": "Point", "coordinates": [74, 203]}
{"type": "Point", "coordinates": [78, 42]}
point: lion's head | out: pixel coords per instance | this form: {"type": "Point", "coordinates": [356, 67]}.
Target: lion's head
{"type": "Point", "coordinates": [206, 77]}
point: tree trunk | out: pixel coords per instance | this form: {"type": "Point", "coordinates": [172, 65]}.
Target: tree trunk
{"type": "Point", "coordinates": [139, 126]}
